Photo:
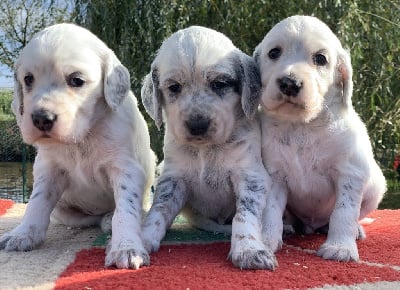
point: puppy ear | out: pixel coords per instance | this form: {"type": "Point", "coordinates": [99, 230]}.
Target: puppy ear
{"type": "Point", "coordinates": [152, 96]}
{"type": "Point", "coordinates": [17, 104]}
{"type": "Point", "coordinates": [116, 81]}
{"type": "Point", "coordinates": [256, 56]}
{"type": "Point", "coordinates": [250, 85]}
{"type": "Point", "coordinates": [344, 72]}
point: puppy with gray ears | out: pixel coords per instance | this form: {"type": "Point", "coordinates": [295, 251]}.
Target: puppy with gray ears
{"type": "Point", "coordinates": [315, 146]}
{"type": "Point", "coordinates": [72, 101]}
{"type": "Point", "coordinates": [207, 91]}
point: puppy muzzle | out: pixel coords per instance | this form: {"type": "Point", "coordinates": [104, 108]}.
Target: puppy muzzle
{"type": "Point", "coordinates": [198, 125]}
{"type": "Point", "coordinates": [289, 86]}
{"type": "Point", "coordinates": [43, 120]}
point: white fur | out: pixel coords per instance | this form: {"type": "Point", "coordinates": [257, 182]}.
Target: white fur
{"type": "Point", "coordinates": [315, 146]}
{"type": "Point", "coordinates": [215, 177]}
{"type": "Point", "coordinates": [96, 158]}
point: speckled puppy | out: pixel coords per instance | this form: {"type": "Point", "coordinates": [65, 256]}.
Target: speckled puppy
{"type": "Point", "coordinates": [315, 146]}
{"type": "Point", "coordinates": [208, 91]}
{"type": "Point", "coordinates": [72, 101]}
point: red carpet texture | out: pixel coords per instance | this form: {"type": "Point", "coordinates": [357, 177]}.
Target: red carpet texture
{"type": "Point", "coordinates": [190, 263]}
{"type": "Point", "coordinates": [5, 205]}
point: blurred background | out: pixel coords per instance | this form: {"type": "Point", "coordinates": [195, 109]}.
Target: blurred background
{"type": "Point", "coordinates": [136, 29]}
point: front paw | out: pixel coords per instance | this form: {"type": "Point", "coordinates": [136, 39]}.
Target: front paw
{"type": "Point", "coordinates": [273, 244]}
{"type": "Point", "coordinates": [151, 246]}
{"type": "Point", "coordinates": [131, 258]}
{"type": "Point", "coordinates": [151, 241]}
{"type": "Point", "coordinates": [288, 231]}
{"type": "Point", "coordinates": [21, 239]}
{"type": "Point", "coordinates": [254, 259]}
{"type": "Point", "coordinates": [343, 251]}
{"type": "Point", "coordinates": [360, 233]}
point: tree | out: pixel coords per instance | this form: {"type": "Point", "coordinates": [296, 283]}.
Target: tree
{"type": "Point", "coordinates": [21, 19]}
{"type": "Point", "coordinates": [135, 30]}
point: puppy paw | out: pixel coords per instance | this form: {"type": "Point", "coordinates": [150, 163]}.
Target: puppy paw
{"type": "Point", "coordinates": [127, 258]}
{"type": "Point", "coordinates": [361, 233]}
{"type": "Point", "coordinates": [22, 240]}
{"type": "Point", "coordinates": [273, 244]}
{"type": "Point", "coordinates": [151, 241]}
{"type": "Point", "coordinates": [339, 251]}
{"type": "Point", "coordinates": [288, 230]}
{"type": "Point", "coordinates": [106, 222]}
{"type": "Point", "coordinates": [151, 246]}
{"type": "Point", "coordinates": [254, 259]}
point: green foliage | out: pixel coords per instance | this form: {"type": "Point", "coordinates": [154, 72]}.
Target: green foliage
{"type": "Point", "coordinates": [372, 32]}
{"type": "Point", "coordinates": [370, 29]}
{"type": "Point", "coordinates": [5, 105]}
{"type": "Point", "coordinates": [12, 147]}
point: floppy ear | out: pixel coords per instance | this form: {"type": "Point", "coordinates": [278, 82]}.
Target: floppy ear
{"type": "Point", "coordinates": [152, 96]}
{"type": "Point", "coordinates": [116, 81]}
{"type": "Point", "coordinates": [256, 56]}
{"type": "Point", "coordinates": [344, 72]}
{"type": "Point", "coordinates": [250, 85]}
{"type": "Point", "coordinates": [17, 104]}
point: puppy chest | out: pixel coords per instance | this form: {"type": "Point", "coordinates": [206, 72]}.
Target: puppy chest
{"type": "Point", "coordinates": [90, 189]}
{"type": "Point", "coordinates": [304, 175]}
{"type": "Point", "coordinates": [212, 193]}
{"type": "Point", "coordinates": [219, 205]}
{"type": "Point", "coordinates": [214, 178]}
{"type": "Point", "coordinates": [308, 173]}
{"type": "Point", "coordinates": [85, 175]}
{"type": "Point", "coordinates": [304, 162]}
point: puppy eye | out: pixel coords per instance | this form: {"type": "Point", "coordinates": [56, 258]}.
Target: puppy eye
{"type": "Point", "coordinates": [75, 80]}
{"type": "Point", "coordinates": [29, 79]}
{"type": "Point", "coordinates": [175, 88]}
{"type": "Point", "coordinates": [319, 59]}
{"type": "Point", "coordinates": [219, 85]}
{"type": "Point", "coordinates": [275, 53]}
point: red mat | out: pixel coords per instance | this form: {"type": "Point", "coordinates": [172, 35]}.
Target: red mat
{"type": "Point", "coordinates": [205, 266]}
{"type": "Point", "coordinates": [5, 204]}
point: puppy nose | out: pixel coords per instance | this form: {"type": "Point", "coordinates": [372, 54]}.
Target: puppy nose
{"type": "Point", "coordinates": [198, 125]}
{"type": "Point", "coordinates": [43, 120]}
{"type": "Point", "coordinates": [290, 86]}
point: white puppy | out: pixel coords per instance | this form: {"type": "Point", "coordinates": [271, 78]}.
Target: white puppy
{"type": "Point", "coordinates": [315, 146]}
{"type": "Point", "coordinates": [73, 102]}
{"type": "Point", "coordinates": [208, 91]}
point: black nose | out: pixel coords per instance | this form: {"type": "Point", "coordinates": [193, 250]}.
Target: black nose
{"type": "Point", "coordinates": [43, 120]}
{"type": "Point", "coordinates": [198, 125]}
{"type": "Point", "coordinates": [290, 86]}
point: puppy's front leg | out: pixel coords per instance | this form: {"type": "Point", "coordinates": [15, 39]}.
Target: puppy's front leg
{"type": "Point", "coordinates": [343, 223]}
{"type": "Point", "coordinates": [169, 199]}
{"type": "Point", "coordinates": [273, 214]}
{"type": "Point", "coordinates": [48, 186]}
{"type": "Point", "coordinates": [125, 249]}
{"type": "Point", "coordinates": [247, 248]}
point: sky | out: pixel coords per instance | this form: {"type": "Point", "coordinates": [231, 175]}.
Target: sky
{"type": "Point", "coordinates": [5, 82]}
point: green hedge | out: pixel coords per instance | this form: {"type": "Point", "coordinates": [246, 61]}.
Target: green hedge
{"type": "Point", "coordinates": [135, 29]}
{"type": "Point", "coordinates": [5, 105]}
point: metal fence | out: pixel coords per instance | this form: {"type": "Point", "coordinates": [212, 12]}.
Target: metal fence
{"type": "Point", "coordinates": [16, 160]}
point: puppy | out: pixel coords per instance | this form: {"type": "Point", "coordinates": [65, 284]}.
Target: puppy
{"type": "Point", "coordinates": [73, 102]}
{"type": "Point", "coordinates": [314, 145]}
{"type": "Point", "coordinates": [207, 91]}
